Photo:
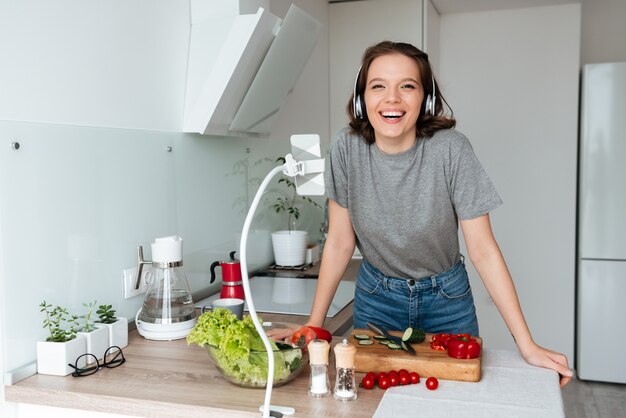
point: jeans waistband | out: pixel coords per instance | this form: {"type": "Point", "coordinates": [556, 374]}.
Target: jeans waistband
{"type": "Point", "coordinates": [421, 283]}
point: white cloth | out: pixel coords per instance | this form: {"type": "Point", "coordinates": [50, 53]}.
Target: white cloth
{"type": "Point", "coordinates": [509, 387]}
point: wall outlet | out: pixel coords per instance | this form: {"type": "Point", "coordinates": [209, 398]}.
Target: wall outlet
{"type": "Point", "coordinates": [129, 282]}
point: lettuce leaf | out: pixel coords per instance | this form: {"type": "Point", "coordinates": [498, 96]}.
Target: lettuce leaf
{"type": "Point", "coordinates": [238, 348]}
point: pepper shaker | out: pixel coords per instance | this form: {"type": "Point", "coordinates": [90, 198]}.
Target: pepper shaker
{"type": "Point", "coordinates": [345, 382]}
{"type": "Point", "coordinates": [319, 385]}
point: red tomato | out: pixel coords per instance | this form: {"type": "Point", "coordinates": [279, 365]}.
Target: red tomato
{"type": "Point", "coordinates": [394, 379]}
{"type": "Point", "coordinates": [372, 376]}
{"type": "Point", "coordinates": [392, 372]}
{"type": "Point", "coordinates": [381, 375]}
{"type": "Point", "coordinates": [405, 379]}
{"type": "Point", "coordinates": [383, 382]}
{"type": "Point", "coordinates": [402, 371]}
{"type": "Point", "coordinates": [415, 378]}
{"type": "Point", "coordinates": [367, 382]}
{"type": "Point", "coordinates": [432, 383]}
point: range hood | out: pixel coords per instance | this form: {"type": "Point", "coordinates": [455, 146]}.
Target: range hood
{"type": "Point", "coordinates": [238, 88]}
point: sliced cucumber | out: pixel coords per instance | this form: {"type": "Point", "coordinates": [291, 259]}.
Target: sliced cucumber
{"type": "Point", "coordinates": [380, 337]}
{"type": "Point", "coordinates": [384, 342]}
{"type": "Point", "coordinates": [394, 346]}
{"type": "Point", "coordinates": [366, 342]}
{"type": "Point", "coordinates": [361, 336]}
{"type": "Point", "coordinates": [413, 335]}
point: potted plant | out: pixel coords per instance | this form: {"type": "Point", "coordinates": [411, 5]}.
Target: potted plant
{"type": "Point", "coordinates": [96, 335]}
{"type": "Point", "coordinates": [117, 326]}
{"type": "Point", "coordinates": [63, 346]}
{"type": "Point", "coordinates": [290, 245]}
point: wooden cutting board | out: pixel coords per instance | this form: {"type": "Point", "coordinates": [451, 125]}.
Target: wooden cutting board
{"type": "Point", "coordinates": [427, 362]}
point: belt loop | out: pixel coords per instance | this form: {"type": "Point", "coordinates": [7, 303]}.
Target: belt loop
{"type": "Point", "coordinates": [433, 281]}
{"type": "Point", "coordinates": [385, 283]}
{"type": "Point", "coordinates": [462, 259]}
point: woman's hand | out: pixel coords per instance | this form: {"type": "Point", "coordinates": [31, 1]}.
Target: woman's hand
{"type": "Point", "coordinates": [542, 357]}
{"type": "Point", "coordinates": [282, 334]}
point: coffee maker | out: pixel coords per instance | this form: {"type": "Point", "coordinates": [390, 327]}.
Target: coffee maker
{"type": "Point", "coordinates": [168, 312]}
{"type": "Point", "coordinates": [231, 277]}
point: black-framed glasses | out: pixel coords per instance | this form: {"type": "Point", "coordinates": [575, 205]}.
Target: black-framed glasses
{"type": "Point", "coordinates": [117, 359]}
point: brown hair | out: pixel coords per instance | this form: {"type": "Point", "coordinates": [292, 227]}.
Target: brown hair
{"type": "Point", "coordinates": [426, 125]}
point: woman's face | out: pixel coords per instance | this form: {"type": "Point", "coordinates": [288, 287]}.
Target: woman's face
{"type": "Point", "coordinates": [393, 98]}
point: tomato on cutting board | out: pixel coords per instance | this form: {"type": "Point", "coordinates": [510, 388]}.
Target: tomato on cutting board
{"type": "Point", "coordinates": [463, 348]}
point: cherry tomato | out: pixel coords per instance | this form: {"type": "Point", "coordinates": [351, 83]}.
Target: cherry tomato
{"type": "Point", "coordinates": [367, 382]}
{"type": "Point", "coordinates": [383, 382]}
{"type": "Point", "coordinates": [394, 379]}
{"type": "Point", "coordinates": [381, 375]}
{"type": "Point", "coordinates": [432, 383]}
{"type": "Point", "coordinates": [415, 377]}
{"type": "Point", "coordinates": [405, 378]}
{"type": "Point", "coordinates": [403, 371]}
{"type": "Point", "coordinates": [372, 376]}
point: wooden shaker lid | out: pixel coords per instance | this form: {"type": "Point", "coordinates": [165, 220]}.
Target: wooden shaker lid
{"type": "Point", "coordinates": [318, 352]}
{"type": "Point", "coordinates": [344, 355]}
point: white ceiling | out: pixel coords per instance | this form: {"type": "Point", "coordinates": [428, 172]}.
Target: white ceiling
{"type": "Point", "coordinates": [464, 6]}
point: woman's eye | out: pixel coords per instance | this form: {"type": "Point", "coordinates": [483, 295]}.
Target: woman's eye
{"type": "Point", "coordinates": [408, 86]}
{"type": "Point", "coordinates": [377, 86]}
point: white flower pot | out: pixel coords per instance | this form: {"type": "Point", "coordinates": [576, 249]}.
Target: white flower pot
{"type": "Point", "coordinates": [97, 341]}
{"type": "Point", "coordinates": [118, 332]}
{"type": "Point", "coordinates": [289, 247]}
{"type": "Point", "coordinates": [53, 358]}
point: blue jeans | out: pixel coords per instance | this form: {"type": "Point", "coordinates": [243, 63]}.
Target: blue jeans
{"type": "Point", "coordinates": [436, 304]}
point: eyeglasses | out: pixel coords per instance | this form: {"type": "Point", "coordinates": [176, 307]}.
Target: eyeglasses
{"type": "Point", "coordinates": [117, 360]}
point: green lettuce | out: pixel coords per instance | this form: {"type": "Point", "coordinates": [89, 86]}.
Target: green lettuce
{"type": "Point", "coordinates": [238, 348]}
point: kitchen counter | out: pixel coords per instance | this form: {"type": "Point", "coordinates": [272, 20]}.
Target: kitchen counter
{"type": "Point", "coordinates": [170, 379]}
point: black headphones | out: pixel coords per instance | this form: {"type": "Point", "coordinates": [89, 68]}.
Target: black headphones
{"type": "Point", "coordinates": [358, 102]}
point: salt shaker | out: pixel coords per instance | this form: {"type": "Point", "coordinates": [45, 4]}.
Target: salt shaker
{"type": "Point", "coordinates": [319, 385]}
{"type": "Point", "coordinates": [345, 383]}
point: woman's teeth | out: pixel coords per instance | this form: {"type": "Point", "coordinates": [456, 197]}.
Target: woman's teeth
{"type": "Point", "coordinates": [392, 115]}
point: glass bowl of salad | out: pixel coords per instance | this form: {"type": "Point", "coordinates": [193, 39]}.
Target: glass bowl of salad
{"type": "Point", "coordinates": [237, 350]}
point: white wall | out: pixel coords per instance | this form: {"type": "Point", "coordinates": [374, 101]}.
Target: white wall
{"type": "Point", "coordinates": [511, 77]}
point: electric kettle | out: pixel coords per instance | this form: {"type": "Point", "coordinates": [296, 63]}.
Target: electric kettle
{"type": "Point", "coordinates": [231, 277]}
{"type": "Point", "coordinates": [168, 312]}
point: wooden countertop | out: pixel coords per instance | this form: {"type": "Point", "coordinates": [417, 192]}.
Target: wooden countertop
{"type": "Point", "coordinates": [171, 379]}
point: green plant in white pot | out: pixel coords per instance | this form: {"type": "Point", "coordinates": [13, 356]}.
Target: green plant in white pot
{"type": "Point", "coordinates": [96, 335]}
{"type": "Point", "coordinates": [290, 245]}
{"type": "Point", "coordinates": [117, 325]}
{"type": "Point", "coordinates": [63, 345]}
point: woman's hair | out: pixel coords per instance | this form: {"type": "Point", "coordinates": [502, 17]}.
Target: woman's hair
{"type": "Point", "coordinates": [426, 125]}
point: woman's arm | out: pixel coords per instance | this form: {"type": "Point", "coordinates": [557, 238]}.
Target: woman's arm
{"type": "Point", "coordinates": [485, 254]}
{"type": "Point", "coordinates": [338, 251]}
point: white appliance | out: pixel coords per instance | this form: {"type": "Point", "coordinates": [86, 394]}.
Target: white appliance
{"type": "Point", "coordinates": [601, 289]}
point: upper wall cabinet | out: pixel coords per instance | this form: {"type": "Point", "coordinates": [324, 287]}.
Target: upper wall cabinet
{"type": "Point", "coordinates": [239, 89]}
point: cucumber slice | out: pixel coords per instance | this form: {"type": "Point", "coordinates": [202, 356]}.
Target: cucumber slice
{"type": "Point", "coordinates": [380, 337]}
{"type": "Point", "coordinates": [413, 336]}
{"type": "Point", "coordinates": [361, 336]}
{"type": "Point", "coordinates": [394, 346]}
{"type": "Point", "coordinates": [384, 342]}
{"type": "Point", "coordinates": [366, 342]}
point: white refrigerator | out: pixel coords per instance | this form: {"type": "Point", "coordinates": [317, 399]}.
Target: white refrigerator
{"type": "Point", "coordinates": [601, 281]}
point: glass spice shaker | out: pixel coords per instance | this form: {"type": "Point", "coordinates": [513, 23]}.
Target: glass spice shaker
{"type": "Point", "coordinates": [319, 385]}
{"type": "Point", "coordinates": [345, 383]}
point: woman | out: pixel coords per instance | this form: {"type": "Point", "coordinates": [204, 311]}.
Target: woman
{"type": "Point", "coordinates": [400, 181]}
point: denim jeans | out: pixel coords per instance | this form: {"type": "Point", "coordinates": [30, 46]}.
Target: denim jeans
{"type": "Point", "coordinates": [436, 304]}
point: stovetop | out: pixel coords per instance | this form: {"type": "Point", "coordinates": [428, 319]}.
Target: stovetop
{"type": "Point", "coordinates": [289, 293]}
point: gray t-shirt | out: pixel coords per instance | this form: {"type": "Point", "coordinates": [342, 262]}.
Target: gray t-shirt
{"type": "Point", "coordinates": [404, 207]}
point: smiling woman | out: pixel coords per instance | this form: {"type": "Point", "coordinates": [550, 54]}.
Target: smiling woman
{"type": "Point", "coordinates": [400, 182]}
